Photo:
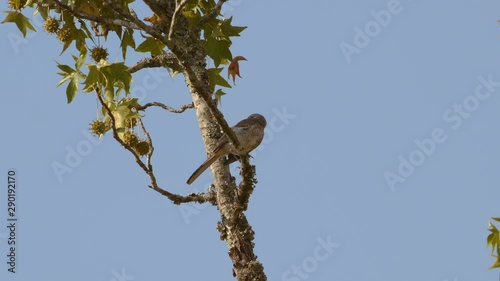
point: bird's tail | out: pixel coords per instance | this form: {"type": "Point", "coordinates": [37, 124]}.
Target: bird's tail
{"type": "Point", "coordinates": [205, 165]}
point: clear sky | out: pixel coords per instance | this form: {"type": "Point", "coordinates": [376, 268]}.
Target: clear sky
{"type": "Point", "coordinates": [380, 160]}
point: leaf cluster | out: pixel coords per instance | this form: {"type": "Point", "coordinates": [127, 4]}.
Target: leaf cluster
{"type": "Point", "coordinates": [493, 241]}
{"type": "Point", "coordinates": [81, 21]}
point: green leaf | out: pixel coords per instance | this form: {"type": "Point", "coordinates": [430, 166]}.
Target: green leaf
{"type": "Point", "coordinates": [22, 22]}
{"type": "Point", "coordinates": [81, 59]}
{"type": "Point", "coordinates": [117, 29]}
{"type": "Point", "coordinates": [77, 34]}
{"type": "Point", "coordinates": [218, 95]}
{"type": "Point", "coordinates": [489, 240]}
{"type": "Point", "coordinates": [85, 29]}
{"type": "Point", "coordinates": [206, 5]}
{"type": "Point", "coordinates": [493, 239]}
{"type": "Point", "coordinates": [44, 12]}
{"type": "Point", "coordinates": [216, 79]}
{"type": "Point", "coordinates": [71, 75]}
{"type": "Point", "coordinates": [218, 50]}
{"type": "Point", "coordinates": [94, 76]}
{"type": "Point", "coordinates": [128, 40]}
{"type": "Point", "coordinates": [151, 45]}
{"type": "Point", "coordinates": [72, 88]}
{"type": "Point", "coordinates": [192, 15]}
{"type": "Point", "coordinates": [65, 68]}
{"type": "Point", "coordinates": [120, 73]}
{"type": "Point", "coordinates": [230, 30]}
{"type": "Point", "coordinates": [65, 46]}
{"type": "Point", "coordinates": [208, 27]}
{"type": "Point", "coordinates": [109, 93]}
{"type": "Point", "coordinates": [116, 74]}
{"type": "Point", "coordinates": [130, 102]}
{"type": "Point", "coordinates": [16, 5]}
{"type": "Point", "coordinates": [68, 17]}
{"type": "Point", "coordinates": [492, 227]}
{"type": "Point", "coordinates": [80, 39]}
{"type": "Point", "coordinates": [120, 113]}
{"type": "Point", "coordinates": [218, 33]}
{"type": "Point", "coordinates": [496, 263]}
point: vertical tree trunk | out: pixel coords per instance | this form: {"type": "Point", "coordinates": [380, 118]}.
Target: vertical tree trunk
{"type": "Point", "coordinates": [234, 227]}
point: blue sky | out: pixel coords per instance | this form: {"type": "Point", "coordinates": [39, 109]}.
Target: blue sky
{"type": "Point", "coordinates": [415, 98]}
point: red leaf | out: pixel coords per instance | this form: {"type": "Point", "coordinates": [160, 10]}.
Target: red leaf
{"type": "Point", "coordinates": [234, 68]}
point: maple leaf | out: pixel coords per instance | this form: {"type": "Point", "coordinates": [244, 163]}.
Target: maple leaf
{"type": "Point", "coordinates": [234, 68]}
{"type": "Point", "coordinates": [154, 19]}
{"type": "Point", "coordinates": [88, 8]}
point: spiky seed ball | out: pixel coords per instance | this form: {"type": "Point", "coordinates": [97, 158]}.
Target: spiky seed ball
{"type": "Point", "coordinates": [51, 25]}
{"type": "Point", "coordinates": [98, 53]}
{"type": "Point", "coordinates": [130, 139]}
{"type": "Point", "coordinates": [97, 127]}
{"type": "Point", "coordinates": [130, 122]}
{"type": "Point", "coordinates": [142, 148]}
{"type": "Point", "coordinates": [13, 5]}
{"type": "Point", "coordinates": [65, 34]}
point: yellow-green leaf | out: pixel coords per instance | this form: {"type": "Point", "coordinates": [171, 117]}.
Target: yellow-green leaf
{"type": "Point", "coordinates": [216, 79]}
{"type": "Point", "coordinates": [496, 263]}
{"type": "Point", "coordinates": [93, 77]}
{"type": "Point", "coordinates": [230, 30]}
{"type": "Point", "coordinates": [72, 88]}
{"type": "Point", "coordinates": [128, 40]}
{"type": "Point", "coordinates": [151, 45]}
{"type": "Point", "coordinates": [22, 22]}
{"type": "Point", "coordinates": [218, 50]}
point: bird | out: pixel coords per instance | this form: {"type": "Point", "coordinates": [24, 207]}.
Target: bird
{"type": "Point", "coordinates": [249, 131]}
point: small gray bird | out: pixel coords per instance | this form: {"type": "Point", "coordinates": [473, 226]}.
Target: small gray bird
{"type": "Point", "coordinates": [249, 132]}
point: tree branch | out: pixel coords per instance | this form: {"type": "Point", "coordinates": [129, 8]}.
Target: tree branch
{"type": "Point", "coordinates": [178, 8]}
{"type": "Point", "coordinates": [164, 60]}
{"type": "Point", "coordinates": [166, 107]}
{"type": "Point", "coordinates": [80, 14]}
{"type": "Point", "coordinates": [135, 20]}
{"type": "Point", "coordinates": [219, 117]}
{"type": "Point", "coordinates": [206, 18]}
{"type": "Point", "coordinates": [175, 198]}
{"type": "Point", "coordinates": [151, 149]}
{"type": "Point", "coordinates": [191, 55]}
{"type": "Point", "coordinates": [247, 184]}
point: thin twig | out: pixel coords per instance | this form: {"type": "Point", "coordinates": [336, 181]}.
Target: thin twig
{"type": "Point", "coordinates": [175, 198]}
{"type": "Point", "coordinates": [166, 107]}
{"type": "Point", "coordinates": [150, 142]}
{"type": "Point", "coordinates": [178, 8]}
{"type": "Point", "coordinates": [135, 20]}
{"type": "Point", "coordinates": [214, 13]}
{"type": "Point", "coordinates": [98, 19]}
{"type": "Point", "coordinates": [115, 132]}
